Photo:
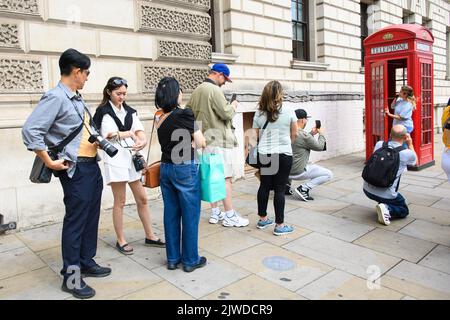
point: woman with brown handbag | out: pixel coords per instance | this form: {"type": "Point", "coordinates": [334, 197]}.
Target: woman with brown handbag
{"type": "Point", "coordinates": [180, 178]}
{"type": "Point", "coordinates": [119, 123]}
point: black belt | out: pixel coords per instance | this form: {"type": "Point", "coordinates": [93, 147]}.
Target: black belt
{"type": "Point", "coordinates": [86, 159]}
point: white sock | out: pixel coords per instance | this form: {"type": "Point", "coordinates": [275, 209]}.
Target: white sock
{"type": "Point", "coordinates": [230, 213]}
{"type": "Point", "coordinates": [216, 211]}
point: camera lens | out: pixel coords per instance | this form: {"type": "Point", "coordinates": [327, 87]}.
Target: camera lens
{"type": "Point", "coordinates": [108, 148]}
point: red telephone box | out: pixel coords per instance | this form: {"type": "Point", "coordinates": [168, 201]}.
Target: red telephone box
{"type": "Point", "coordinates": [395, 56]}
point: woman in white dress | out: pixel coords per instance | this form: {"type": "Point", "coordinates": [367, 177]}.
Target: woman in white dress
{"type": "Point", "coordinates": [120, 124]}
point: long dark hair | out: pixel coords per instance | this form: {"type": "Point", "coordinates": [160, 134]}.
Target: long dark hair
{"type": "Point", "coordinates": [112, 85]}
{"type": "Point", "coordinates": [271, 100]}
{"type": "Point", "coordinates": [167, 92]}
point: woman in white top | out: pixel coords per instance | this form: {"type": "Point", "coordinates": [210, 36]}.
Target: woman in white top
{"type": "Point", "coordinates": [120, 124]}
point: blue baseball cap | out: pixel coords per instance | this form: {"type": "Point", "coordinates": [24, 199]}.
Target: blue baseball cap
{"type": "Point", "coordinates": [222, 68]}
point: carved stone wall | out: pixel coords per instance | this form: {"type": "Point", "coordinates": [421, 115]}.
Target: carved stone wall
{"type": "Point", "coordinates": [200, 3]}
{"type": "Point", "coordinates": [20, 6]}
{"type": "Point", "coordinates": [18, 76]}
{"type": "Point", "coordinates": [189, 78]}
{"type": "Point", "coordinates": [166, 20]}
{"type": "Point", "coordinates": [9, 36]}
{"type": "Point", "coordinates": [184, 50]}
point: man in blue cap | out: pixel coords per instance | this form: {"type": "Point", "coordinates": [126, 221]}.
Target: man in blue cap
{"type": "Point", "coordinates": [215, 114]}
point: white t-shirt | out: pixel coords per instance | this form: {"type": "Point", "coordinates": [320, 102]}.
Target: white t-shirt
{"type": "Point", "coordinates": [407, 158]}
{"type": "Point", "coordinates": [123, 156]}
{"type": "Point", "coordinates": [276, 138]}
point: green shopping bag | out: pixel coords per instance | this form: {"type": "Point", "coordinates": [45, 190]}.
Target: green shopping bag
{"type": "Point", "coordinates": [212, 178]}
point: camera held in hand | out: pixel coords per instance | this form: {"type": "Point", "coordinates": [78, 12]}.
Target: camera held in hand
{"type": "Point", "coordinates": [104, 144]}
{"type": "Point", "coordinates": [138, 161]}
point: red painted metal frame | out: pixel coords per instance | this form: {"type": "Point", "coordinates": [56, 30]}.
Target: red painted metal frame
{"type": "Point", "coordinates": [419, 65]}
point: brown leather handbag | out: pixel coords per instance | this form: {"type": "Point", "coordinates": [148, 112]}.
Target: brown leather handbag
{"type": "Point", "coordinates": [152, 172]}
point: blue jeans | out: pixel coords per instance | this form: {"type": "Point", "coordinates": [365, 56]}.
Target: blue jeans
{"type": "Point", "coordinates": [180, 186]}
{"type": "Point", "coordinates": [397, 207]}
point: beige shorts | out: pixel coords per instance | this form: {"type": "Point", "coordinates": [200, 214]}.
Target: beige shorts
{"type": "Point", "coordinates": [231, 161]}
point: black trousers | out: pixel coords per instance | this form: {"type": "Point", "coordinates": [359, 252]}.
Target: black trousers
{"type": "Point", "coordinates": [82, 199]}
{"type": "Point", "coordinates": [274, 176]}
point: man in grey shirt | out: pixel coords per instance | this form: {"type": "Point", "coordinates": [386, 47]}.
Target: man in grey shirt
{"type": "Point", "coordinates": [301, 148]}
{"type": "Point", "coordinates": [391, 203]}
{"type": "Point", "coordinates": [59, 113]}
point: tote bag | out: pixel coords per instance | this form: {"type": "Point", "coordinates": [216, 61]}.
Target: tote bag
{"type": "Point", "coordinates": [212, 178]}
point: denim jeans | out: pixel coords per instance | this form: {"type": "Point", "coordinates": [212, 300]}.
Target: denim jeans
{"type": "Point", "coordinates": [397, 207]}
{"type": "Point", "coordinates": [180, 187]}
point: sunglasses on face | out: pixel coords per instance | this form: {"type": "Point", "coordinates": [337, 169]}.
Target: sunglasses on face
{"type": "Point", "coordinates": [120, 82]}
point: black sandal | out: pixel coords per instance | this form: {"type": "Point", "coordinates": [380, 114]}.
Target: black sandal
{"type": "Point", "coordinates": [155, 243]}
{"type": "Point", "coordinates": [123, 250]}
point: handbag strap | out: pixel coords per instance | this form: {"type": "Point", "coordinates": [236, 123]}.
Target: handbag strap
{"type": "Point", "coordinates": [262, 131]}
{"type": "Point", "coordinates": [160, 121]}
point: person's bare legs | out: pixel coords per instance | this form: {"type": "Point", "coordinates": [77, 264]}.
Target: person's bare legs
{"type": "Point", "coordinates": [119, 193]}
{"type": "Point", "coordinates": [227, 202]}
{"type": "Point", "coordinates": [142, 207]}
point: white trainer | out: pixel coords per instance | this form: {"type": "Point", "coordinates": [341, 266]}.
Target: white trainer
{"type": "Point", "coordinates": [215, 218]}
{"type": "Point", "coordinates": [383, 214]}
{"type": "Point", "coordinates": [235, 221]}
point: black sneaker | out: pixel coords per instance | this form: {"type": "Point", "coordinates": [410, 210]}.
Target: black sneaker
{"type": "Point", "coordinates": [96, 272]}
{"type": "Point", "coordinates": [200, 264]}
{"type": "Point", "coordinates": [84, 292]}
{"type": "Point", "coordinates": [303, 194]}
{"type": "Point", "coordinates": [288, 190]}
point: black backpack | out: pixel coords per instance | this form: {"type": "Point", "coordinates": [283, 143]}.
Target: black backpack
{"type": "Point", "coordinates": [382, 167]}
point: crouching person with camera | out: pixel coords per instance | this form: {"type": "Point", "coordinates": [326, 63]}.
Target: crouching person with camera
{"type": "Point", "coordinates": [120, 125]}
{"type": "Point", "coordinates": [62, 118]}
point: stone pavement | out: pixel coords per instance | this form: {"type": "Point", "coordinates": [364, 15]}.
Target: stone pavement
{"type": "Point", "coordinates": [338, 249]}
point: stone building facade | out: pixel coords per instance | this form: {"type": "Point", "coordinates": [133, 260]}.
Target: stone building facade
{"type": "Point", "coordinates": [313, 47]}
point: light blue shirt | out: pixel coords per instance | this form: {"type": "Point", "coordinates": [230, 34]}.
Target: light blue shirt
{"type": "Point", "coordinates": [276, 138]}
{"type": "Point", "coordinates": [54, 118]}
{"type": "Point", "coordinates": [404, 109]}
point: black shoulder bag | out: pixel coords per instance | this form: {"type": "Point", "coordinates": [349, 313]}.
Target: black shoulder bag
{"type": "Point", "coordinates": [253, 156]}
{"type": "Point", "coordinates": [40, 173]}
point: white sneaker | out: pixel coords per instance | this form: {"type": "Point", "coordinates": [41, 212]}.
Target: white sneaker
{"type": "Point", "coordinates": [215, 218]}
{"type": "Point", "coordinates": [383, 214]}
{"type": "Point", "coordinates": [235, 221]}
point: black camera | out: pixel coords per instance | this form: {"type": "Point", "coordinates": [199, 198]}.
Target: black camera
{"type": "Point", "coordinates": [104, 144]}
{"type": "Point", "coordinates": [138, 161]}
{"type": "Point", "coordinates": [318, 124]}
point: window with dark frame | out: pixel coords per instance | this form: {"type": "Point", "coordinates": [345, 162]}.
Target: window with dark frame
{"type": "Point", "coordinates": [300, 34]}
{"type": "Point", "coordinates": [364, 29]}
{"type": "Point", "coordinates": [212, 41]}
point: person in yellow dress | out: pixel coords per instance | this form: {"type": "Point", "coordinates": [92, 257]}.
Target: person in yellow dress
{"type": "Point", "coordinates": [446, 139]}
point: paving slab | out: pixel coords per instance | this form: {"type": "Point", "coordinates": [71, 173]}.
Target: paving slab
{"type": "Point", "coordinates": [41, 284]}
{"type": "Point", "coordinates": [127, 277]}
{"type": "Point", "coordinates": [217, 274]}
{"type": "Point", "coordinates": [430, 214]}
{"type": "Point", "coordinates": [253, 287]}
{"type": "Point", "coordinates": [42, 238]}
{"type": "Point", "coordinates": [339, 285]}
{"type": "Point", "coordinates": [342, 255]}
{"type": "Point", "coordinates": [160, 291]}
{"type": "Point", "coordinates": [227, 242]}
{"type": "Point", "coordinates": [436, 192]}
{"type": "Point", "coordinates": [267, 234]}
{"type": "Point", "coordinates": [438, 259]}
{"type": "Point", "coordinates": [325, 191]}
{"type": "Point", "coordinates": [10, 242]}
{"type": "Point", "coordinates": [368, 216]}
{"type": "Point", "coordinates": [443, 204]}
{"type": "Point", "coordinates": [321, 204]}
{"type": "Point", "coordinates": [418, 281]}
{"type": "Point", "coordinates": [148, 257]}
{"type": "Point", "coordinates": [53, 256]}
{"type": "Point", "coordinates": [428, 231]}
{"type": "Point", "coordinates": [280, 266]}
{"type": "Point", "coordinates": [336, 227]}
{"type": "Point", "coordinates": [18, 261]}
{"type": "Point", "coordinates": [346, 184]}
{"type": "Point", "coordinates": [134, 231]}
{"type": "Point", "coordinates": [358, 198]}
{"type": "Point", "coordinates": [396, 244]}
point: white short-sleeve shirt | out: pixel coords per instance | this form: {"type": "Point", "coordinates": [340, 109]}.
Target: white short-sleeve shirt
{"type": "Point", "coordinates": [123, 156]}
